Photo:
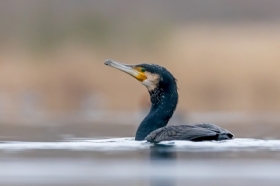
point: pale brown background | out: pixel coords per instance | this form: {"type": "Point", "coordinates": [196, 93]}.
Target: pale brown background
{"type": "Point", "coordinates": [225, 55]}
{"type": "Point", "coordinates": [54, 87]}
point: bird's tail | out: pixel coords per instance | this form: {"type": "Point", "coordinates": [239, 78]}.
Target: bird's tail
{"type": "Point", "coordinates": [224, 136]}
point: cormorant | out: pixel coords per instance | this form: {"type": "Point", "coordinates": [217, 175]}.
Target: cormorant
{"type": "Point", "coordinates": [162, 87]}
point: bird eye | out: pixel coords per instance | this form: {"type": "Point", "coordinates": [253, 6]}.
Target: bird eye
{"type": "Point", "coordinates": [143, 70]}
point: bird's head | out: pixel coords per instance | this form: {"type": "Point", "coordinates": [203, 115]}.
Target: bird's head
{"type": "Point", "coordinates": [150, 75]}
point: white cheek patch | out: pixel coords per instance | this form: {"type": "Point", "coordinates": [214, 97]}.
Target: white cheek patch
{"type": "Point", "coordinates": [152, 81]}
{"type": "Point", "coordinates": [150, 85]}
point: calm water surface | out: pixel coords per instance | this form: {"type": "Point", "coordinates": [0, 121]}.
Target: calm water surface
{"type": "Point", "coordinates": [123, 161]}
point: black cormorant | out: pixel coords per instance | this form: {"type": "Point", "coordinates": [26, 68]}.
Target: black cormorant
{"type": "Point", "coordinates": [162, 87]}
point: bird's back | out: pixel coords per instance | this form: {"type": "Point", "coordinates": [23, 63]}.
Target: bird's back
{"type": "Point", "coordinates": [196, 132]}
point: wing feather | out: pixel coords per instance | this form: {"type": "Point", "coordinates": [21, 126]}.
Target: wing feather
{"type": "Point", "coordinates": [180, 132]}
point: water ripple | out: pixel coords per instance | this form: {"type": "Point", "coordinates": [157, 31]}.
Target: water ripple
{"type": "Point", "coordinates": [128, 144]}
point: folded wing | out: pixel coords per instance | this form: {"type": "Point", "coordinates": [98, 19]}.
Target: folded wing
{"type": "Point", "coordinates": [196, 132]}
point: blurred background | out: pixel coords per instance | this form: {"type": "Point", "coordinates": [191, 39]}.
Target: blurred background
{"type": "Point", "coordinates": [53, 85]}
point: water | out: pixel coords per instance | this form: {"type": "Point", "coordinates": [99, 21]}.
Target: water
{"type": "Point", "coordinates": [129, 144]}
{"type": "Point", "coordinates": [123, 161]}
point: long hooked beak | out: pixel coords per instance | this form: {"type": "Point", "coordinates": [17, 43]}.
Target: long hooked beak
{"type": "Point", "coordinates": [129, 69]}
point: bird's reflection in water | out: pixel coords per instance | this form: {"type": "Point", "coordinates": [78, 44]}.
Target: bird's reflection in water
{"type": "Point", "coordinates": [162, 156]}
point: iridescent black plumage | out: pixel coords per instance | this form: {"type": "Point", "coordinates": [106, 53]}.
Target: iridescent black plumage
{"type": "Point", "coordinates": [162, 87]}
{"type": "Point", "coordinates": [164, 99]}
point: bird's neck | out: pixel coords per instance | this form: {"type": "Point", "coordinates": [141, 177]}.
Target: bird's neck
{"type": "Point", "coordinates": [164, 102]}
